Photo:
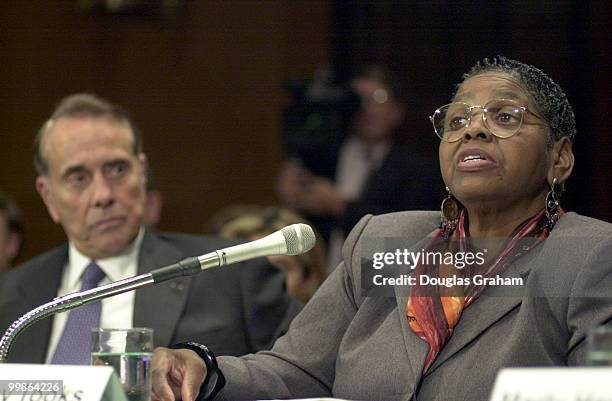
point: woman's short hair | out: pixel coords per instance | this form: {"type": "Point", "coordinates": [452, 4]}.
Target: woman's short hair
{"type": "Point", "coordinates": [250, 222]}
{"type": "Point", "coordinates": [547, 94]}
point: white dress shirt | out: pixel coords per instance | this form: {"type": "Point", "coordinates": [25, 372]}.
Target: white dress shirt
{"type": "Point", "coordinates": [118, 311]}
{"type": "Point", "coordinates": [356, 161]}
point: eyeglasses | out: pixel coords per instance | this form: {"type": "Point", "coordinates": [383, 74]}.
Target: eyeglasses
{"type": "Point", "coordinates": [502, 117]}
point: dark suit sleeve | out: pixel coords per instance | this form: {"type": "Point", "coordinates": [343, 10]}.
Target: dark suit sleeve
{"type": "Point", "coordinates": [268, 309]}
{"type": "Point", "coordinates": [301, 363]}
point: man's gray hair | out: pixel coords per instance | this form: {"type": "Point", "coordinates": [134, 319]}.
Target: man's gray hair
{"type": "Point", "coordinates": [82, 105]}
{"type": "Point", "coordinates": [548, 95]}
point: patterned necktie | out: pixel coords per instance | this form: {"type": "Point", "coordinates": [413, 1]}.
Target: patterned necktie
{"type": "Point", "coordinates": [74, 345]}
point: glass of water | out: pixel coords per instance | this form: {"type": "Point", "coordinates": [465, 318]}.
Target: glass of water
{"type": "Point", "coordinates": [599, 346]}
{"type": "Point", "coordinates": [129, 352]}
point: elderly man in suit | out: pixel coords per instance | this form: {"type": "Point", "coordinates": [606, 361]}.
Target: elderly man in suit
{"type": "Point", "coordinates": [92, 179]}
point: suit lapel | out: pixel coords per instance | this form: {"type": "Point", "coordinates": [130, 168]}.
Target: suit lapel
{"type": "Point", "coordinates": [32, 344]}
{"type": "Point", "coordinates": [160, 306]}
{"type": "Point", "coordinates": [495, 303]}
{"type": "Point", "coordinates": [416, 347]}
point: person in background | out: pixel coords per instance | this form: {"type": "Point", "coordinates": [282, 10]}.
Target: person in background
{"type": "Point", "coordinates": [303, 273]}
{"type": "Point", "coordinates": [154, 202]}
{"type": "Point", "coordinates": [505, 154]}
{"type": "Point", "coordinates": [218, 220]}
{"type": "Point", "coordinates": [11, 232]}
{"type": "Point", "coordinates": [92, 179]}
{"type": "Point", "coordinates": [375, 172]}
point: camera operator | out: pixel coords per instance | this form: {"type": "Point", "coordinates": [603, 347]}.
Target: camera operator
{"type": "Point", "coordinates": [374, 172]}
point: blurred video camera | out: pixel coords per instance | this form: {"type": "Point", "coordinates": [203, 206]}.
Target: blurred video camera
{"type": "Point", "coordinates": [318, 120]}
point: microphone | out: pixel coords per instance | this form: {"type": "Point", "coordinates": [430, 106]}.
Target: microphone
{"type": "Point", "coordinates": [291, 240]}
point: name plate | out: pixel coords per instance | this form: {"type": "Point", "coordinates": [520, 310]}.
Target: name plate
{"type": "Point", "coordinates": [553, 384]}
{"type": "Point", "coordinates": [19, 382]}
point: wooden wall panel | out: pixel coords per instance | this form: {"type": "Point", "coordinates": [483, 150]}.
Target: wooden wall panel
{"type": "Point", "coordinates": [205, 91]}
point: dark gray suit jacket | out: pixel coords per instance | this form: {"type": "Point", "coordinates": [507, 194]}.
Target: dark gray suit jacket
{"type": "Point", "coordinates": [360, 347]}
{"type": "Point", "coordinates": [240, 308]}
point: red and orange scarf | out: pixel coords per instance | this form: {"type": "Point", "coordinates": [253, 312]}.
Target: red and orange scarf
{"type": "Point", "coordinates": [433, 317]}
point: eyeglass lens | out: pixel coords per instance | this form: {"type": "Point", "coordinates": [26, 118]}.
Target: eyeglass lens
{"type": "Point", "coordinates": [502, 117]}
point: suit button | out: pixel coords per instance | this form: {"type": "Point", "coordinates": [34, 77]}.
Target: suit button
{"type": "Point", "coordinates": [178, 287]}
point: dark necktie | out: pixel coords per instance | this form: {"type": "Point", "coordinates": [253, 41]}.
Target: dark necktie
{"type": "Point", "coordinates": [74, 345]}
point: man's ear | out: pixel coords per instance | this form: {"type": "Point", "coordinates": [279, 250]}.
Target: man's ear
{"type": "Point", "coordinates": [562, 162]}
{"type": "Point", "coordinates": [44, 190]}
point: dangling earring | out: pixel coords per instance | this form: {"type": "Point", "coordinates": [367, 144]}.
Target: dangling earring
{"type": "Point", "coordinates": [552, 204]}
{"type": "Point", "coordinates": [449, 215]}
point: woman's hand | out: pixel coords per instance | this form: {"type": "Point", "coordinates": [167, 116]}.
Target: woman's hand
{"type": "Point", "coordinates": [176, 374]}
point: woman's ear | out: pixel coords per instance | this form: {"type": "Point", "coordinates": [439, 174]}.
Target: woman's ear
{"type": "Point", "coordinates": [562, 162]}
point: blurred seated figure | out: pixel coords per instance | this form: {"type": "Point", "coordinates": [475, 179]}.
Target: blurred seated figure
{"type": "Point", "coordinates": [154, 202]}
{"type": "Point", "coordinates": [304, 273]}
{"type": "Point", "coordinates": [215, 223]}
{"type": "Point", "coordinates": [11, 232]}
{"type": "Point", "coordinates": [374, 171]}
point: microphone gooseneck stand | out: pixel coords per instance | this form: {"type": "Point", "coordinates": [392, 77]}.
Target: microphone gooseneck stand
{"type": "Point", "coordinates": [294, 239]}
{"type": "Point", "coordinates": [186, 267]}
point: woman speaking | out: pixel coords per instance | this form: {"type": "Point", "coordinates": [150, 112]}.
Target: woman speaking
{"type": "Point", "coordinates": [505, 154]}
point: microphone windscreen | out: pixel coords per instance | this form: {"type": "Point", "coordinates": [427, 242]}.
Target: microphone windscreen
{"type": "Point", "coordinates": [299, 238]}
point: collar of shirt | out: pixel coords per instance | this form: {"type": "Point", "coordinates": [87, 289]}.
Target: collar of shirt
{"type": "Point", "coordinates": [357, 160]}
{"type": "Point", "coordinates": [373, 154]}
{"type": "Point", "coordinates": [116, 267]}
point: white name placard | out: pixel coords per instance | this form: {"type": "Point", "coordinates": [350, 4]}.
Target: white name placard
{"type": "Point", "coordinates": [553, 384]}
{"type": "Point", "coordinates": [20, 382]}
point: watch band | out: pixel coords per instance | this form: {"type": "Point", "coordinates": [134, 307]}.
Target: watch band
{"type": "Point", "coordinates": [214, 381]}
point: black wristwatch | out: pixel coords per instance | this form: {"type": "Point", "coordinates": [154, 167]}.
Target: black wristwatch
{"type": "Point", "coordinates": [214, 381]}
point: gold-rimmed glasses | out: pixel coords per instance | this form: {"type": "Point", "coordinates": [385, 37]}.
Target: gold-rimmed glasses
{"type": "Point", "coordinates": [502, 117]}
